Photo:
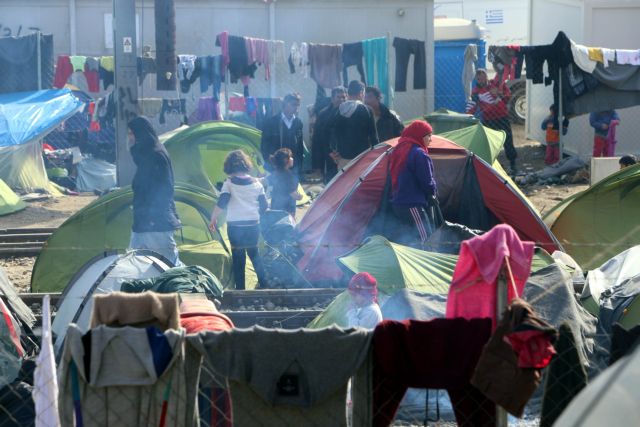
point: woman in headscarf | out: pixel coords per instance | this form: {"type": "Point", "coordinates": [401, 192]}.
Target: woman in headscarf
{"type": "Point", "coordinates": [413, 187]}
{"type": "Point", "coordinates": [154, 210]}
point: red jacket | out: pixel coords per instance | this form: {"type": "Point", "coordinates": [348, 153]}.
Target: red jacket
{"type": "Point", "coordinates": [492, 108]}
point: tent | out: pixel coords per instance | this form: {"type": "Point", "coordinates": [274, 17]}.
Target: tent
{"type": "Point", "coordinates": [482, 141]}
{"type": "Point", "coordinates": [25, 119]}
{"type": "Point", "coordinates": [198, 152]}
{"type": "Point", "coordinates": [444, 120]}
{"type": "Point", "coordinates": [103, 274]}
{"type": "Point", "coordinates": [470, 193]}
{"type": "Point", "coordinates": [105, 225]}
{"type": "Point", "coordinates": [600, 222]}
{"type": "Point", "coordinates": [9, 201]}
{"type": "Point", "coordinates": [610, 400]}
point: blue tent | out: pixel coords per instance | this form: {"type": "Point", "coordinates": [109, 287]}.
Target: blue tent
{"type": "Point", "coordinates": [26, 118]}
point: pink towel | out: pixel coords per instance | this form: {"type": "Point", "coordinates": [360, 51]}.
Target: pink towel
{"type": "Point", "coordinates": [473, 289]}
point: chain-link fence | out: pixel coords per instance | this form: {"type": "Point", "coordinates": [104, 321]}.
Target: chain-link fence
{"type": "Point", "coordinates": [183, 387]}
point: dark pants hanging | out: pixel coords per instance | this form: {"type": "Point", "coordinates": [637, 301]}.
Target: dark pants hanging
{"type": "Point", "coordinates": [505, 125]}
{"type": "Point", "coordinates": [244, 241]}
{"type": "Point", "coordinates": [404, 49]}
{"type": "Point", "coordinates": [352, 54]}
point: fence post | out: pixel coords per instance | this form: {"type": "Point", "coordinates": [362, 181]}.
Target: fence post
{"type": "Point", "coordinates": [502, 298]}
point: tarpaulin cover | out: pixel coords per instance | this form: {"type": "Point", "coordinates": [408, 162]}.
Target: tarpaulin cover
{"type": "Point", "coordinates": [95, 174]}
{"type": "Point", "coordinates": [26, 116]}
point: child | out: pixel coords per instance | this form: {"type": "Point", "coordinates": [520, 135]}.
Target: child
{"type": "Point", "coordinates": [243, 198]}
{"type": "Point", "coordinates": [284, 182]}
{"type": "Point", "coordinates": [551, 125]}
{"type": "Point", "coordinates": [604, 123]}
{"type": "Point", "coordinates": [626, 161]}
{"type": "Point", "coordinates": [365, 312]}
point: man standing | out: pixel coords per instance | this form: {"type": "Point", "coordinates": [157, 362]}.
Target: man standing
{"type": "Point", "coordinates": [388, 124]}
{"type": "Point", "coordinates": [284, 131]}
{"type": "Point", "coordinates": [490, 99]}
{"type": "Point", "coordinates": [154, 210]}
{"type": "Point", "coordinates": [354, 128]}
{"type": "Point", "coordinates": [322, 134]}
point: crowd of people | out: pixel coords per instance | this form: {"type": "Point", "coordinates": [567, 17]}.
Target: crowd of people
{"type": "Point", "coordinates": [352, 121]}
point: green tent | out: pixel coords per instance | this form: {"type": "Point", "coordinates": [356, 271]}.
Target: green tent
{"type": "Point", "coordinates": [397, 267]}
{"type": "Point", "coordinates": [484, 142]}
{"type": "Point", "coordinates": [9, 201]}
{"type": "Point", "coordinates": [444, 120]}
{"type": "Point", "coordinates": [198, 152]}
{"type": "Point", "coordinates": [105, 225]}
{"type": "Point", "coordinates": [600, 222]}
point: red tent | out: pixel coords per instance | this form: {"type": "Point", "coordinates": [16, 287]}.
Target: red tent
{"type": "Point", "coordinates": [470, 192]}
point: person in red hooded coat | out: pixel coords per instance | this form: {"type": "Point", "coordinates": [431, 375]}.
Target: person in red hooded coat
{"type": "Point", "coordinates": [413, 187]}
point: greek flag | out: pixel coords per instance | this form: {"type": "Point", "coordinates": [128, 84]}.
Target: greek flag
{"type": "Point", "coordinates": [493, 16]}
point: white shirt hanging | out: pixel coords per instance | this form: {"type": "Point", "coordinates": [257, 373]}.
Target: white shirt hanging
{"type": "Point", "coordinates": [45, 381]}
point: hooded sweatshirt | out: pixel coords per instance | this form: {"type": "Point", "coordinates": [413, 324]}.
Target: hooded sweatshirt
{"type": "Point", "coordinates": [153, 206]}
{"type": "Point", "coordinates": [411, 168]}
{"type": "Point", "coordinates": [354, 129]}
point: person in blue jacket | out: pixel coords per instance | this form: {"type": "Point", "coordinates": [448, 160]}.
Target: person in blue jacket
{"type": "Point", "coordinates": [413, 187]}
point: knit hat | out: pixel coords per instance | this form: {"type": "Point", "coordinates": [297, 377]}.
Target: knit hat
{"type": "Point", "coordinates": [364, 284]}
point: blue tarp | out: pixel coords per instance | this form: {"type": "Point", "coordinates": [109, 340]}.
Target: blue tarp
{"type": "Point", "coordinates": [26, 116]}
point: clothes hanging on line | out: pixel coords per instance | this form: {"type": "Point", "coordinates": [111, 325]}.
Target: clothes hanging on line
{"type": "Point", "coordinates": [187, 71]}
{"type": "Point", "coordinates": [238, 57]}
{"type": "Point", "coordinates": [64, 69]}
{"type": "Point", "coordinates": [277, 53]}
{"type": "Point", "coordinates": [145, 65]}
{"type": "Point", "coordinates": [177, 106]}
{"type": "Point", "coordinates": [78, 61]}
{"type": "Point", "coordinates": [258, 53]}
{"type": "Point", "coordinates": [375, 58]}
{"type": "Point", "coordinates": [628, 57]}
{"type": "Point", "coordinates": [325, 62]}
{"type": "Point", "coordinates": [405, 356]}
{"type": "Point", "coordinates": [469, 68]}
{"type": "Point", "coordinates": [404, 49]}
{"type": "Point", "coordinates": [508, 60]}
{"type": "Point", "coordinates": [352, 54]}
{"type": "Point", "coordinates": [299, 58]}
{"type": "Point", "coordinates": [211, 73]}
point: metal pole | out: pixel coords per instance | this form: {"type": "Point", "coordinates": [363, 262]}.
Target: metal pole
{"type": "Point", "coordinates": [126, 83]}
{"type": "Point", "coordinates": [502, 298]}
{"type": "Point", "coordinates": [560, 116]}
{"type": "Point", "coordinates": [389, 93]}
{"type": "Point", "coordinates": [72, 27]}
{"type": "Point", "coordinates": [272, 36]}
{"type": "Point", "coordinates": [39, 54]}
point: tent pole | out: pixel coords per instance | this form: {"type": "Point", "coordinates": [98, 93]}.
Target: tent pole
{"type": "Point", "coordinates": [502, 298]}
{"type": "Point", "coordinates": [560, 116]}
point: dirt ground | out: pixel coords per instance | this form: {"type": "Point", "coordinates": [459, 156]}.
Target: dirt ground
{"type": "Point", "coordinates": [54, 211]}
{"type": "Point", "coordinates": [39, 214]}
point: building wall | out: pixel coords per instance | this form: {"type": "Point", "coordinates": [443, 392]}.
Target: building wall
{"type": "Point", "coordinates": [198, 22]}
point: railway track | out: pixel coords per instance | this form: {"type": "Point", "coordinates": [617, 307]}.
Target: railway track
{"type": "Point", "coordinates": [271, 308]}
{"type": "Point", "coordinates": [23, 242]}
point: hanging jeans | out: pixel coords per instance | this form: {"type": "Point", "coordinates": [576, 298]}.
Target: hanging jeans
{"type": "Point", "coordinates": [375, 58]}
{"type": "Point", "coordinates": [352, 55]}
{"type": "Point", "coordinates": [244, 241]}
{"type": "Point", "coordinates": [173, 106]}
{"type": "Point", "coordinates": [404, 49]}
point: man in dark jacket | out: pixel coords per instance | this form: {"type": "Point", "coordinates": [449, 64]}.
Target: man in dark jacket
{"type": "Point", "coordinates": [388, 124]}
{"type": "Point", "coordinates": [354, 128]}
{"type": "Point", "coordinates": [321, 141]}
{"type": "Point", "coordinates": [154, 210]}
{"type": "Point", "coordinates": [284, 131]}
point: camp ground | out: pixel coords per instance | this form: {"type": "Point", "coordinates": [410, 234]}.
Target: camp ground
{"type": "Point", "coordinates": [439, 201]}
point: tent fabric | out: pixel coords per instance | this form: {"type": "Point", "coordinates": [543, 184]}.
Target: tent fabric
{"type": "Point", "coordinates": [95, 174]}
{"type": "Point", "coordinates": [103, 274]}
{"type": "Point", "coordinates": [600, 222]}
{"type": "Point", "coordinates": [192, 279]}
{"type": "Point", "coordinates": [610, 400]}
{"type": "Point", "coordinates": [105, 225]}
{"type": "Point", "coordinates": [198, 152]}
{"type": "Point", "coordinates": [400, 267]}
{"type": "Point", "coordinates": [29, 116]}
{"type": "Point", "coordinates": [339, 218]}
{"type": "Point", "coordinates": [444, 120]}
{"type": "Point", "coordinates": [9, 201]}
{"type": "Point", "coordinates": [484, 142]}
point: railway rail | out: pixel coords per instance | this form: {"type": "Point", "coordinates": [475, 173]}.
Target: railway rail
{"type": "Point", "coordinates": [23, 242]}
